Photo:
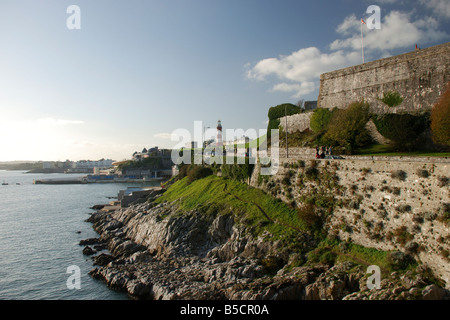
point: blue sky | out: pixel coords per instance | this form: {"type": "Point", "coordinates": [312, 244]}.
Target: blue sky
{"type": "Point", "coordinates": [138, 70]}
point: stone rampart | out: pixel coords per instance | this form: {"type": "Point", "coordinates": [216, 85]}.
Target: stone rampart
{"type": "Point", "coordinates": [419, 76]}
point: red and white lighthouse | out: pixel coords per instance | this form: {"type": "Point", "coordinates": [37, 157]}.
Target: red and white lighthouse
{"type": "Point", "coordinates": [219, 142]}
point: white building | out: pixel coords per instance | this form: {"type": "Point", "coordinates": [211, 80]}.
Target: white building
{"type": "Point", "coordinates": [89, 164]}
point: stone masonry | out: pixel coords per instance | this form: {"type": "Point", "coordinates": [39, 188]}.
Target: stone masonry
{"type": "Point", "coordinates": [419, 76]}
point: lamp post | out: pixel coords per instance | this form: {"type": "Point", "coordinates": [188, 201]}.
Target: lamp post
{"type": "Point", "coordinates": [286, 129]}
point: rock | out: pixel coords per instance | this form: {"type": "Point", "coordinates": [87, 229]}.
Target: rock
{"type": "Point", "coordinates": [102, 259]}
{"type": "Point", "coordinates": [89, 241]}
{"type": "Point", "coordinates": [159, 252]}
{"type": "Point", "coordinates": [433, 292]}
{"type": "Point", "coordinates": [98, 207]}
{"type": "Point", "coordinates": [138, 289]}
{"type": "Point", "coordinates": [88, 251]}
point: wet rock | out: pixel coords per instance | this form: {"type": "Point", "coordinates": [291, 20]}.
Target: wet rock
{"type": "Point", "coordinates": [88, 251]}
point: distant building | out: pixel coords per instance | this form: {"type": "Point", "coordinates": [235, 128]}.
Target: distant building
{"type": "Point", "coordinates": [48, 165]}
{"type": "Point", "coordinates": [89, 164]}
{"type": "Point", "coordinates": [310, 105]}
{"type": "Point", "coordinates": [151, 152]}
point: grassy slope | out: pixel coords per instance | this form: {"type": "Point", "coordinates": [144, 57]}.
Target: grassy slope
{"type": "Point", "coordinates": [225, 196]}
{"type": "Point", "coordinates": [218, 195]}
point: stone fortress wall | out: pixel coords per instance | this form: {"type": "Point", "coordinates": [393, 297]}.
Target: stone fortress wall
{"type": "Point", "coordinates": [419, 76]}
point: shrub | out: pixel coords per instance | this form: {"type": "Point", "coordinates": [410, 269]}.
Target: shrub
{"type": "Point", "coordinates": [347, 127]}
{"type": "Point", "coordinates": [444, 213]}
{"type": "Point", "coordinates": [283, 109]}
{"type": "Point", "coordinates": [312, 173]}
{"type": "Point", "coordinates": [402, 235]}
{"type": "Point", "coordinates": [422, 173]}
{"type": "Point", "coordinates": [399, 174]}
{"type": "Point", "coordinates": [275, 113]}
{"type": "Point", "coordinates": [403, 129]}
{"type": "Point", "coordinates": [440, 119]}
{"type": "Point", "coordinates": [398, 260]}
{"type": "Point", "coordinates": [391, 98]}
{"type": "Point", "coordinates": [320, 120]}
{"type": "Point", "coordinates": [403, 208]}
{"type": "Point", "coordinates": [442, 181]}
{"type": "Point", "coordinates": [198, 172]}
{"type": "Point", "coordinates": [309, 215]}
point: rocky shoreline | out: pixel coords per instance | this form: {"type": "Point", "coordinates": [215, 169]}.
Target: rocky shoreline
{"type": "Point", "coordinates": [157, 252]}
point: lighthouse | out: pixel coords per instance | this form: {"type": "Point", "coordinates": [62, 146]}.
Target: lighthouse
{"type": "Point", "coordinates": [219, 134]}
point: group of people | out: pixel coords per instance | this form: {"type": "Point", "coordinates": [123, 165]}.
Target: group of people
{"type": "Point", "coordinates": [323, 151]}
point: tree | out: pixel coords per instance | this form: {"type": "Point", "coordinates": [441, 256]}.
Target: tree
{"type": "Point", "coordinates": [440, 119]}
{"type": "Point", "coordinates": [320, 120]}
{"type": "Point", "coordinates": [403, 129]}
{"type": "Point", "coordinates": [347, 127]}
{"type": "Point", "coordinates": [275, 113]}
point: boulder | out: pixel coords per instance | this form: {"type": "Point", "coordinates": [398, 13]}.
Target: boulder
{"type": "Point", "coordinates": [433, 292]}
{"type": "Point", "coordinates": [88, 251]}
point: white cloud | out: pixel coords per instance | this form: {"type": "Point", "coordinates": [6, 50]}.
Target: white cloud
{"type": "Point", "coordinates": [398, 30]}
{"type": "Point", "coordinates": [299, 72]}
{"type": "Point", "coordinates": [439, 7]}
{"type": "Point", "coordinates": [299, 89]}
{"type": "Point", "coordinates": [349, 24]}
{"type": "Point", "coordinates": [163, 135]}
{"type": "Point", "coordinates": [58, 122]}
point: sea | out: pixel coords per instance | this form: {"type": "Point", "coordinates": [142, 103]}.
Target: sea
{"type": "Point", "coordinates": [40, 230]}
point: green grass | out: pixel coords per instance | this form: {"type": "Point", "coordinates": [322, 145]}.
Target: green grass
{"type": "Point", "coordinates": [218, 195]}
{"type": "Point", "coordinates": [387, 150]}
{"type": "Point", "coordinates": [334, 251]}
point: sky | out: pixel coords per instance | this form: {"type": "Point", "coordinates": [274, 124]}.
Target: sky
{"type": "Point", "coordinates": [118, 76]}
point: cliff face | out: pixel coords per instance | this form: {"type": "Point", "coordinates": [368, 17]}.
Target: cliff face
{"type": "Point", "coordinates": [158, 251]}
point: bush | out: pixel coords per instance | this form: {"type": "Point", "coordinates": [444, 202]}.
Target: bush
{"type": "Point", "coordinates": [422, 173]}
{"type": "Point", "coordinates": [283, 109]}
{"type": "Point", "coordinates": [391, 98]}
{"type": "Point", "coordinates": [238, 172]}
{"type": "Point", "coordinates": [440, 119]}
{"type": "Point", "coordinates": [309, 215]}
{"type": "Point", "coordinates": [198, 172]}
{"type": "Point", "coordinates": [402, 235]}
{"type": "Point", "coordinates": [320, 119]}
{"type": "Point", "coordinates": [275, 113]}
{"type": "Point", "coordinates": [347, 127]}
{"type": "Point", "coordinates": [402, 129]}
{"type": "Point", "coordinates": [399, 174]}
{"type": "Point", "coordinates": [398, 260]}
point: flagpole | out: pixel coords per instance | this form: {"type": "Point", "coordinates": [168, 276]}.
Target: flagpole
{"type": "Point", "coordinates": [362, 39]}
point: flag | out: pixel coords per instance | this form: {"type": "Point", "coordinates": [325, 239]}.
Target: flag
{"type": "Point", "coordinates": [362, 21]}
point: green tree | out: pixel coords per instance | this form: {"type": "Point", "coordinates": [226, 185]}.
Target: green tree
{"type": "Point", "coordinates": [275, 113]}
{"type": "Point", "coordinates": [320, 120]}
{"type": "Point", "coordinates": [402, 129]}
{"type": "Point", "coordinates": [347, 127]}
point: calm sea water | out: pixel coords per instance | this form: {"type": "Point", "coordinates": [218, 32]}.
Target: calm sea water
{"type": "Point", "coordinates": [40, 230]}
